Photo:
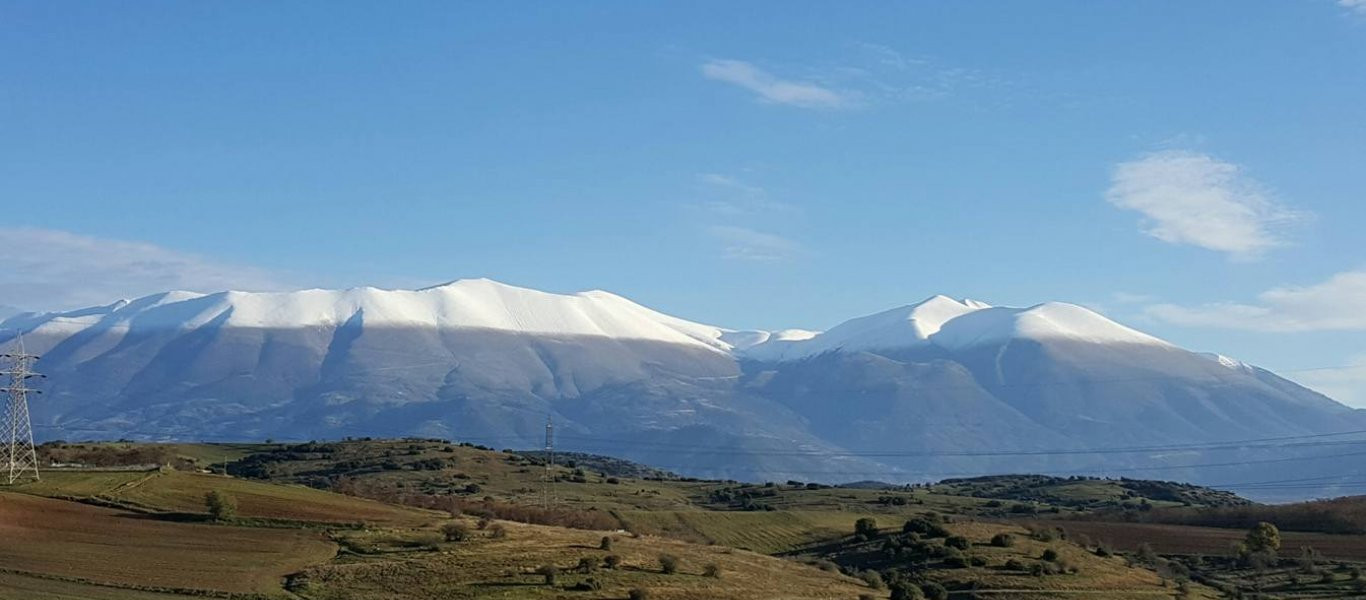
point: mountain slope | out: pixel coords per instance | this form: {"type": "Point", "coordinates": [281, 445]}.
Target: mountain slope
{"type": "Point", "coordinates": [912, 393]}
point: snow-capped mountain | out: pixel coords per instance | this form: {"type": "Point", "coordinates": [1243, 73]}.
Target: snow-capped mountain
{"type": "Point", "coordinates": [939, 388]}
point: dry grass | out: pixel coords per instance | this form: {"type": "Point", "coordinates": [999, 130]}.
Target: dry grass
{"type": "Point", "coordinates": [27, 587]}
{"type": "Point", "coordinates": [174, 491]}
{"type": "Point", "coordinates": [765, 532]}
{"type": "Point", "coordinates": [485, 567]}
{"type": "Point", "coordinates": [1183, 539]}
{"type": "Point", "coordinates": [68, 539]}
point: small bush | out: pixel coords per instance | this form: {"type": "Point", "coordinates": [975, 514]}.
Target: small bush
{"type": "Point", "coordinates": [957, 541]}
{"type": "Point", "coordinates": [1015, 565]}
{"type": "Point", "coordinates": [221, 506]}
{"type": "Point", "coordinates": [668, 564]}
{"type": "Point", "coordinates": [1003, 540]}
{"type": "Point", "coordinates": [873, 579]}
{"type": "Point", "coordinates": [934, 591]}
{"type": "Point", "coordinates": [606, 543]}
{"type": "Point", "coordinates": [612, 561]}
{"type": "Point", "coordinates": [977, 561]}
{"type": "Point", "coordinates": [455, 532]}
{"type": "Point", "coordinates": [638, 594]}
{"type": "Point", "coordinates": [712, 570]}
{"type": "Point", "coordinates": [865, 528]}
{"type": "Point", "coordinates": [484, 523]}
{"type": "Point", "coordinates": [1050, 555]}
{"type": "Point", "coordinates": [497, 531]}
{"type": "Point", "coordinates": [549, 572]}
{"type": "Point", "coordinates": [587, 564]}
{"type": "Point", "coordinates": [587, 585]}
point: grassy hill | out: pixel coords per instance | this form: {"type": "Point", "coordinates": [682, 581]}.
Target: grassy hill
{"type": "Point", "coordinates": [366, 519]}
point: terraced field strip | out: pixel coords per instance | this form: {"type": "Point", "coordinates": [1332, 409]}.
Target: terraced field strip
{"type": "Point", "coordinates": [175, 491]}
{"type": "Point", "coordinates": [766, 532]}
{"type": "Point", "coordinates": [69, 539]}
{"type": "Point", "coordinates": [19, 586]}
{"type": "Point", "coordinates": [1184, 539]}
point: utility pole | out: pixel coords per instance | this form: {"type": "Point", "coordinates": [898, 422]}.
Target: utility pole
{"type": "Point", "coordinates": [548, 492]}
{"type": "Point", "coordinates": [20, 458]}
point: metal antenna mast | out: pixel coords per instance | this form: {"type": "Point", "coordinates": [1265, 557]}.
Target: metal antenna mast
{"type": "Point", "coordinates": [19, 456]}
{"type": "Point", "coordinates": [548, 494]}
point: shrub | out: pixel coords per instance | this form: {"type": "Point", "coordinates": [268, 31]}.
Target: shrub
{"type": "Point", "coordinates": [934, 591]}
{"type": "Point", "coordinates": [902, 590]}
{"type": "Point", "coordinates": [977, 561]}
{"type": "Point", "coordinates": [1263, 537]}
{"type": "Point", "coordinates": [1103, 551]}
{"type": "Point", "coordinates": [925, 527]}
{"type": "Point", "coordinates": [606, 543]}
{"type": "Point", "coordinates": [1038, 569]}
{"type": "Point", "coordinates": [956, 562]}
{"type": "Point", "coordinates": [1015, 565]}
{"type": "Point", "coordinates": [498, 531]}
{"type": "Point", "coordinates": [549, 572]}
{"type": "Point", "coordinates": [638, 594]}
{"type": "Point", "coordinates": [587, 564]}
{"type": "Point", "coordinates": [957, 541]}
{"type": "Point", "coordinates": [589, 584]}
{"type": "Point", "coordinates": [1050, 555]}
{"type": "Point", "coordinates": [865, 528]}
{"type": "Point", "coordinates": [483, 523]}
{"type": "Point", "coordinates": [712, 570]}
{"type": "Point", "coordinates": [221, 506]}
{"type": "Point", "coordinates": [1003, 540]}
{"type": "Point", "coordinates": [668, 564]}
{"type": "Point", "coordinates": [873, 579]}
{"type": "Point", "coordinates": [612, 561]}
{"type": "Point", "coordinates": [455, 532]}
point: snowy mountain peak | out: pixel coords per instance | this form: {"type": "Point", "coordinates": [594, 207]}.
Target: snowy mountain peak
{"type": "Point", "coordinates": [491, 305]}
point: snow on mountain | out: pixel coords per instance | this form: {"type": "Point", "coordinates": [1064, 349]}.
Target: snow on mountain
{"type": "Point", "coordinates": [477, 359]}
{"type": "Point", "coordinates": [463, 304]}
{"type": "Point", "coordinates": [954, 324]}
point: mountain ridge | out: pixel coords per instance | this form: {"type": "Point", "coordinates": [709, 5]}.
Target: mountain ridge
{"type": "Point", "coordinates": [483, 361]}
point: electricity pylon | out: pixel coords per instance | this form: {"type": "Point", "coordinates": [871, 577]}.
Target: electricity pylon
{"type": "Point", "coordinates": [19, 457]}
{"type": "Point", "coordinates": [548, 479]}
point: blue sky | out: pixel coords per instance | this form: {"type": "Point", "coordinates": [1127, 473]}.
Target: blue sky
{"type": "Point", "coordinates": [1196, 170]}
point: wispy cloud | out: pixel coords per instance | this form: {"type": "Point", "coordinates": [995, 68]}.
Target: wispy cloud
{"type": "Point", "coordinates": [48, 269]}
{"type": "Point", "coordinates": [1195, 199]}
{"type": "Point", "coordinates": [1356, 6]}
{"type": "Point", "coordinates": [742, 243]}
{"type": "Point", "coordinates": [1333, 305]}
{"type": "Point", "coordinates": [730, 196]}
{"type": "Point", "coordinates": [772, 89]}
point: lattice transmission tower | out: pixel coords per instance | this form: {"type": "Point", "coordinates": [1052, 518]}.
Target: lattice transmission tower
{"type": "Point", "coordinates": [548, 479]}
{"type": "Point", "coordinates": [18, 457]}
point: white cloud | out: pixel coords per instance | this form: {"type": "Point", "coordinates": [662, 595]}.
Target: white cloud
{"type": "Point", "coordinates": [772, 89]}
{"type": "Point", "coordinates": [1356, 6]}
{"type": "Point", "coordinates": [1195, 199]}
{"type": "Point", "coordinates": [1345, 384]}
{"type": "Point", "coordinates": [47, 269]}
{"type": "Point", "coordinates": [1334, 305]}
{"type": "Point", "coordinates": [741, 243]}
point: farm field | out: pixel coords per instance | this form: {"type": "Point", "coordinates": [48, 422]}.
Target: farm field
{"type": "Point", "coordinates": [505, 567]}
{"type": "Point", "coordinates": [767, 532]}
{"type": "Point", "coordinates": [18, 586]}
{"type": "Point", "coordinates": [67, 539]}
{"type": "Point", "coordinates": [1183, 539]}
{"type": "Point", "coordinates": [173, 491]}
